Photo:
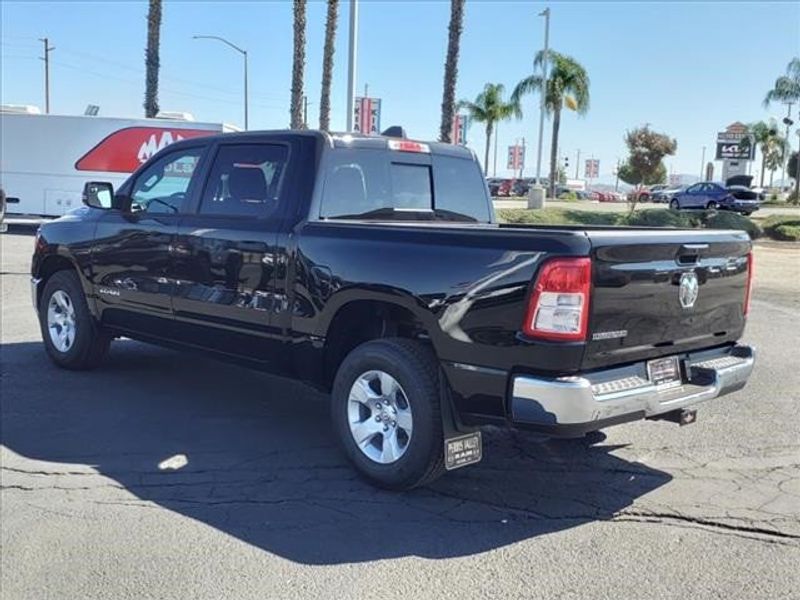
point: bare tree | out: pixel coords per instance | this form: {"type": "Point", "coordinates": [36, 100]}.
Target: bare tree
{"type": "Point", "coordinates": [451, 70]}
{"type": "Point", "coordinates": [151, 59]}
{"type": "Point", "coordinates": [327, 65]}
{"type": "Point", "coordinates": [298, 65]}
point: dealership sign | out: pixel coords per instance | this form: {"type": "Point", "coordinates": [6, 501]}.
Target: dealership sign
{"type": "Point", "coordinates": [735, 143]}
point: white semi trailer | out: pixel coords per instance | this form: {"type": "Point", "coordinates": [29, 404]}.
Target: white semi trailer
{"type": "Point", "coordinates": [46, 159]}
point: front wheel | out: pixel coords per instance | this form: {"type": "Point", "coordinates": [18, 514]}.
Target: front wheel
{"type": "Point", "coordinates": [712, 205]}
{"type": "Point", "coordinates": [71, 337]}
{"type": "Point", "coordinates": [386, 412]}
{"type": "Point", "coordinates": [674, 204]}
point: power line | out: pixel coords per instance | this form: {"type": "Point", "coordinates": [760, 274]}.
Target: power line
{"type": "Point", "coordinates": [140, 71]}
{"type": "Point", "coordinates": [167, 90]}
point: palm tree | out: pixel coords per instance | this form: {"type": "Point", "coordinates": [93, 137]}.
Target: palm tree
{"type": "Point", "coordinates": [327, 65]}
{"type": "Point", "coordinates": [787, 91]}
{"type": "Point", "coordinates": [451, 70]}
{"type": "Point", "coordinates": [298, 65]}
{"type": "Point", "coordinates": [490, 108]}
{"type": "Point", "coordinates": [787, 87]}
{"type": "Point", "coordinates": [151, 59]}
{"type": "Point", "coordinates": [567, 85]}
{"type": "Point", "coordinates": [767, 139]}
{"type": "Point", "coordinates": [776, 155]}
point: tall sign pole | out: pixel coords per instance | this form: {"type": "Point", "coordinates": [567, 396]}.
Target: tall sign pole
{"type": "Point", "coordinates": [351, 62]}
{"type": "Point", "coordinates": [546, 15]}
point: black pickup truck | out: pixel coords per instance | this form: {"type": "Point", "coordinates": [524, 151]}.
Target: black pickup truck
{"type": "Point", "coordinates": [373, 267]}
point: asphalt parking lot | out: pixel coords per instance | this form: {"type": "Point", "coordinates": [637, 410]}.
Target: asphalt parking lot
{"type": "Point", "coordinates": [164, 475]}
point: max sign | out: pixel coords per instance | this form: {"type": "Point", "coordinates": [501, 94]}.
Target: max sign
{"type": "Point", "coordinates": [124, 150]}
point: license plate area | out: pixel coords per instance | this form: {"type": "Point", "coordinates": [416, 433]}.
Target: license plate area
{"type": "Point", "coordinates": [463, 450]}
{"type": "Point", "coordinates": [664, 373]}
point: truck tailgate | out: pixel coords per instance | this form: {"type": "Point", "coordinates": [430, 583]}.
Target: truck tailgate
{"type": "Point", "coordinates": [658, 293]}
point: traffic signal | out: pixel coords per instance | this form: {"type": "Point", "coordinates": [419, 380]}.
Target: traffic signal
{"type": "Point", "coordinates": [566, 162]}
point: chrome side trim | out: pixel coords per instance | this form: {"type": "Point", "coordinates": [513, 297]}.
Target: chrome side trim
{"type": "Point", "coordinates": [571, 401]}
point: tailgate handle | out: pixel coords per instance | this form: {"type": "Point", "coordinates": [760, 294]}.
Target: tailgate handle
{"type": "Point", "coordinates": [690, 253]}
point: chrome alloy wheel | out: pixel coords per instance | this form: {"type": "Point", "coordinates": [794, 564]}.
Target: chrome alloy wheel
{"type": "Point", "coordinates": [379, 416]}
{"type": "Point", "coordinates": [61, 320]}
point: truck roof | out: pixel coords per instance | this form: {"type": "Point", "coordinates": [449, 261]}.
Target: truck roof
{"type": "Point", "coordinates": [340, 140]}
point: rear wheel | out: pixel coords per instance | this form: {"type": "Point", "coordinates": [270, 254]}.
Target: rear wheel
{"type": "Point", "coordinates": [386, 412]}
{"type": "Point", "coordinates": [71, 337]}
{"type": "Point", "coordinates": [712, 205]}
{"type": "Point", "coordinates": [674, 204]}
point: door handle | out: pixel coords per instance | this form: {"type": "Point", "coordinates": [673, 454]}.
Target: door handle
{"type": "Point", "coordinates": [179, 249]}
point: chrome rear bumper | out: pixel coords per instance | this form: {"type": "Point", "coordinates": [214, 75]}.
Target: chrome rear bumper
{"type": "Point", "coordinates": [578, 404]}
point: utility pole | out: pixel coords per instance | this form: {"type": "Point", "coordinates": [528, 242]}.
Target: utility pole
{"type": "Point", "coordinates": [577, 162]}
{"type": "Point", "coordinates": [46, 58]}
{"type": "Point", "coordinates": [305, 111]}
{"type": "Point", "coordinates": [351, 62]}
{"type": "Point", "coordinates": [616, 182]}
{"type": "Point", "coordinates": [703, 164]}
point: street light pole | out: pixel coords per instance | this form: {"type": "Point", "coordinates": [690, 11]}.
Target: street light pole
{"type": "Point", "coordinates": [244, 55]}
{"type": "Point", "coordinates": [351, 62]}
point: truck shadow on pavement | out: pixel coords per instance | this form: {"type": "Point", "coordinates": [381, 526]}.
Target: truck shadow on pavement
{"type": "Point", "coordinates": [254, 457]}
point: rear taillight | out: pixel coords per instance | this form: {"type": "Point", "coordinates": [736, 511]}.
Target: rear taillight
{"type": "Point", "coordinates": [559, 304]}
{"type": "Point", "coordinates": [749, 289]}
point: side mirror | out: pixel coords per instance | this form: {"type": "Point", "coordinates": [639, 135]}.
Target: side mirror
{"type": "Point", "coordinates": [98, 194]}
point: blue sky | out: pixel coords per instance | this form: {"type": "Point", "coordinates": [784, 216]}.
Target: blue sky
{"type": "Point", "coordinates": [688, 69]}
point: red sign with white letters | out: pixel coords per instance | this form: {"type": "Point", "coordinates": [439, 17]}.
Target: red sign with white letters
{"type": "Point", "coordinates": [124, 150]}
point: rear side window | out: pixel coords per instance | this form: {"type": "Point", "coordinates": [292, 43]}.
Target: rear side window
{"type": "Point", "coordinates": [389, 185]}
{"type": "Point", "coordinates": [459, 187]}
{"type": "Point", "coordinates": [245, 180]}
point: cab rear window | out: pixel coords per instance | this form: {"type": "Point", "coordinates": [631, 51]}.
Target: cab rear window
{"type": "Point", "coordinates": [385, 185]}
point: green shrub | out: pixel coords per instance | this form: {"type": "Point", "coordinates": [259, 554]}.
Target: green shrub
{"type": "Point", "coordinates": [730, 220]}
{"type": "Point", "coordinates": [592, 217]}
{"type": "Point", "coordinates": [788, 233]}
{"type": "Point", "coordinates": [771, 224]}
{"type": "Point", "coordinates": [555, 216]}
{"type": "Point", "coordinates": [568, 196]}
{"type": "Point", "coordinates": [658, 217]}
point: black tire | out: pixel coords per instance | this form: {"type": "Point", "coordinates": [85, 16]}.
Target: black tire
{"type": "Point", "coordinates": [91, 343]}
{"type": "Point", "coordinates": [712, 206]}
{"type": "Point", "coordinates": [414, 366]}
{"type": "Point", "coordinates": [674, 204]}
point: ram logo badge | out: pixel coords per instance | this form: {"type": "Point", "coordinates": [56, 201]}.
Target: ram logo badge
{"type": "Point", "coordinates": [688, 289]}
